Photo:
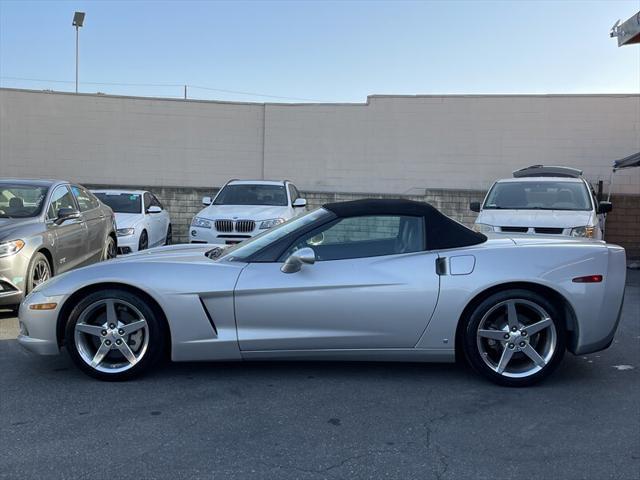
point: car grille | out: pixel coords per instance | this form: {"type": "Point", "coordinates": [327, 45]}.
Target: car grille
{"type": "Point", "coordinates": [245, 226]}
{"type": "Point", "coordinates": [224, 225]}
{"type": "Point", "coordinates": [514, 229]}
{"type": "Point", "coordinates": [550, 231]}
{"type": "Point", "coordinates": [241, 226]}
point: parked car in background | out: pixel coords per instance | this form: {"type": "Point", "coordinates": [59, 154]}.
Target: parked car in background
{"type": "Point", "coordinates": [382, 280]}
{"type": "Point", "coordinates": [542, 200]}
{"type": "Point", "coordinates": [141, 220]}
{"type": "Point", "coordinates": [244, 208]}
{"type": "Point", "coordinates": [48, 227]}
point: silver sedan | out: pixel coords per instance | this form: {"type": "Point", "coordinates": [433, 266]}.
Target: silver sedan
{"type": "Point", "coordinates": [366, 280]}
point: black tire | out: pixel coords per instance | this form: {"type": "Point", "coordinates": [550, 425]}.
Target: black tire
{"type": "Point", "coordinates": [110, 250]}
{"type": "Point", "coordinates": [473, 340]}
{"type": "Point", "coordinates": [150, 356]}
{"type": "Point", "coordinates": [169, 237]}
{"type": "Point", "coordinates": [143, 243]}
{"type": "Point", "coordinates": [34, 273]}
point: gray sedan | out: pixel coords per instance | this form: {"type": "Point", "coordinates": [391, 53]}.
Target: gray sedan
{"type": "Point", "coordinates": [48, 227]}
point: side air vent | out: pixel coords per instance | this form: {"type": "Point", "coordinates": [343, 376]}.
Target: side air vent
{"type": "Point", "coordinates": [206, 312]}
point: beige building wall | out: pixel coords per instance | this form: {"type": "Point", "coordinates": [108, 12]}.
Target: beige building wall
{"type": "Point", "coordinates": [391, 144]}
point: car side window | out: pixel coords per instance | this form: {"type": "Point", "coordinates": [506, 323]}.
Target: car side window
{"type": "Point", "coordinates": [86, 201]}
{"type": "Point", "coordinates": [155, 201]}
{"type": "Point", "coordinates": [60, 198]}
{"type": "Point", "coordinates": [364, 236]}
{"type": "Point", "coordinates": [293, 193]}
{"type": "Point", "coordinates": [147, 201]}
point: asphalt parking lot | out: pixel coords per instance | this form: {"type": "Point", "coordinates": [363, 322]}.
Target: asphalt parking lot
{"type": "Point", "coordinates": [323, 420]}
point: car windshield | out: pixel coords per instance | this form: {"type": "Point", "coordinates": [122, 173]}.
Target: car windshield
{"type": "Point", "coordinates": [245, 249]}
{"type": "Point", "coordinates": [21, 201]}
{"type": "Point", "coordinates": [121, 202]}
{"type": "Point", "coordinates": [543, 195]}
{"type": "Point", "coordinates": [245, 194]}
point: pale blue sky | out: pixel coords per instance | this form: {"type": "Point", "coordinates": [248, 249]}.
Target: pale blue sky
{"type": "Point", "coordinates": [326, 51]}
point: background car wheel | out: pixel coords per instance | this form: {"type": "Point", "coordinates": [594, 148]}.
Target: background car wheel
{"type": "Point", "coordinates": [109, 251]}
{"type": "Point", "coordinates": [515, 338]}
{"type": "Point", "coordinates": [143, 243]}
{"type": "Point", "coordinates": [114, 335]}
{"type": "Point", "coordinates": [39, 271]}
{"type": "Point", "coordinates": [169, 237]}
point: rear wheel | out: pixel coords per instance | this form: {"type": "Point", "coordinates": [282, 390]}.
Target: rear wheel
{"type": "Point", "coordinates": [39, 271]}
{"type": "Point", "coordinates": [515, 338]}
{"type": "Point", "coordinates": [114, 335]}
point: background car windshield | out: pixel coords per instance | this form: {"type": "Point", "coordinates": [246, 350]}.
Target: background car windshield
{"type": "Point", "coordinates": [247, 248]}
{"type": "Point", "coordinates": [21, 201]}
{"type": "Point", "coordinates": [122, 202]}
{"type": "Point", "coordinates": [252, 195]}
{"type": "Point", "coordinates": [539, 196]}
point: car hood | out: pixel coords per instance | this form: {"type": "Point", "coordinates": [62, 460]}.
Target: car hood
{"type": "Point", "coordinates": [127, 220]}
{"type": "Point", "coordinates": [535, 218]}
{"type": "Point", "coordinates": [11, 228]}
{"type": "Point", "coordinates": [249, 212]}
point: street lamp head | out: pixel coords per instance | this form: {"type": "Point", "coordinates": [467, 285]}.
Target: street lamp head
{"type": "Point", "coordinates": [78, 19]}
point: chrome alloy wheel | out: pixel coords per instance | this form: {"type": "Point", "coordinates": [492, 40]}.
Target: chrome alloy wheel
{"type": "Point", "coordinates": [516, 338]}
{"type": "Point", "coordinates": [41, 272]}
{"type": "Point", "coordinates": [111, 335]}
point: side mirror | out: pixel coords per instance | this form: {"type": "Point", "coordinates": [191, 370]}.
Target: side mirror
{"type": "Point", "coordinates": [65, 214]}
{"type": "Point", "coordinates": [299, 202]}
{"type": "Point", "coordinates": [206, 201]}
{"type": "Point", "coordinates": [154, 209]}
{"type": "Point", "coordinates": [297, 259]}
{"type": "Point", "coordinates": [474, 206]}
{"type": "Point", "coordinates": [605, 207]}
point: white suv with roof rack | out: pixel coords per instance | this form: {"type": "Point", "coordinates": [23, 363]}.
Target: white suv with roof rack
{"type": "Point", "coordinates": [244, 208]}
{"type": "Point", "coordinates": [542, 200]}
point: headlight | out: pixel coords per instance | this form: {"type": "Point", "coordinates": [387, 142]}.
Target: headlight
{"type": "Point", "coordinates": [272, 222]}
{"type": "Point", "coordinates": [124, 232]}
{"type": "Point", "coordinates": [483, 228]}
{"type": "Point", "coordinates": [586, 232]}
{"type": "Point", "coordinates": [201, 222]}
{"type": "Point", "coordinates": [10, 248]}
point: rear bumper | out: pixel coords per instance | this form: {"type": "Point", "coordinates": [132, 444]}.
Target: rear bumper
{"type": "Point", "coordinates": [596, 332]}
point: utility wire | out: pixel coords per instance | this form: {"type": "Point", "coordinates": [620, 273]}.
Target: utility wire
{"type": "Point", "coordinates": [197, 87]}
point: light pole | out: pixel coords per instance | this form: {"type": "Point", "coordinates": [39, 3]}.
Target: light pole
{"type": "Point", "coordinates": [78, 20]}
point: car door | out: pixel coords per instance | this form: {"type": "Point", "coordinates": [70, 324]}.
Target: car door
{"type": "Point", "coordinates": [372, 286]}
{"type": "Point", "coordinates": [70, 244]}
{"type": "Point", "coordinates": [160, 221]}
{"type": "Point", "coordinates": [95, 222]}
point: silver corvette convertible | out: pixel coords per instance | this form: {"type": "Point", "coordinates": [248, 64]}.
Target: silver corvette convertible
{"type": "Point", "coordinates": [365, 280]}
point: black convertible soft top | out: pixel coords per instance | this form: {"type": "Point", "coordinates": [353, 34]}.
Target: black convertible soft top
{"type": "Point", "coordinates": [442, 232]}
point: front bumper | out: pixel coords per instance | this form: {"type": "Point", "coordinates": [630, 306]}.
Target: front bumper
{"type": "Point", "coordinates": [13, 276]}
{"type": "Point", "coordinates": [128, 244]}
{"type": "Point", "coordinates": [38, 327]}
{"type": "Point", "coordinates": [211, 235]}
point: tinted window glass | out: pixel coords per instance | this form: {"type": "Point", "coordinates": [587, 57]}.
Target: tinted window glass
{"type": "Point", "coordinates": [61, 198]}
{"type": "Point", "coordinates": [147, 201]}
{"type": "Point", "coordinates": [252, 195]}
{"type": "Point", "coordinates": [20, 201]}
{"type": "Point", "coordinates": [155, 201]}
{"type": "Point", "coordinates": [539, 196]}
{"type": "Point", "coordinates": [366, 236]}
{"type": "Point", "coordinates": [122, 202]}
{"type": "Point", "coordinates": [84, 198]}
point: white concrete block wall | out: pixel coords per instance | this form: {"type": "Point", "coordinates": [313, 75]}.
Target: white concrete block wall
{"type": "Point", "coordinates": [397, 144]}
{"type": "Point", "coordinates": [392, 144]}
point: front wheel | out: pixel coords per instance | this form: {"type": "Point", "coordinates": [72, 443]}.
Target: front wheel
{"type": "Point", "coordinates": [143, 243]}
{"type": "Point", "coordinates": [515, 338]}
{"type": "Point", "coordinates": [39, 271]}
{"type": "Point", "coordinates": [109, 250]}
{"type": "Point", "coordinates": [169, 238]}
{"type": "Point", "coordinates": [114, 335]}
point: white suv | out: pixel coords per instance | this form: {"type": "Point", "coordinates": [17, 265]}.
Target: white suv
{"type": "Point", "coordinates": [542, 200]}
{"type": "Point", "coordinates": [244, 208]}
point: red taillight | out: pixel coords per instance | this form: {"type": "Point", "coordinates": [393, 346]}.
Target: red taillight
{"type": "Point", "coordinates": [588, 279]}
